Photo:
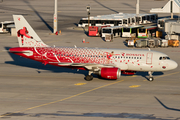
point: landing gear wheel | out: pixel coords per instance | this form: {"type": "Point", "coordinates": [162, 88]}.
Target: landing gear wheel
{"type": "Point", "coordinates": [89, 78]}
{"type": "Point", "coordinates": [151, 79]}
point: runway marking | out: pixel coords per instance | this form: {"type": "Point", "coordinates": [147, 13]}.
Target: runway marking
{"type": "Point", "coordinates": [62, 99]}
{"type": "Point", "coordinates": [134, 86]}
{"type": "Point", "coordinates": [80, 84]}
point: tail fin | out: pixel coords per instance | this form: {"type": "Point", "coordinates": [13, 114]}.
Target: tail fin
{"type": "Point", "coordinates": [27, 37]}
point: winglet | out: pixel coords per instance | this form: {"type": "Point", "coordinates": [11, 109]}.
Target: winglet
{"type": "Point", "coordinates": [27, 37]}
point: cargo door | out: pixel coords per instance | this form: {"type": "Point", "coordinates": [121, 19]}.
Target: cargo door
{"type": "Point", "coordinates": [149, 58]}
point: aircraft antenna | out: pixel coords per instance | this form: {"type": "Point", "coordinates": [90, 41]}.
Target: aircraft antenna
{"type": "Point", "coordinates": [149, 49]}
{"type": "Point", "coordinates": [75, 46]}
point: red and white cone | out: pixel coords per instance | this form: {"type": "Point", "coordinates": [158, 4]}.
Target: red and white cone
{"type": "Point", "coordinates": [83, 40]}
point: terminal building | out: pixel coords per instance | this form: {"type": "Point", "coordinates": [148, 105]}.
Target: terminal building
{"type": "Point", "coordinates": [120, 19]}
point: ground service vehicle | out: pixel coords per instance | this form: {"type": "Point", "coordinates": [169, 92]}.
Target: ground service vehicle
{"type": "Point", "coordinates": [116, 31]}
{"type": "Point", "coordinates": [95, 30]}
{"type": "Point", "coordinates": [5, 25]}
{"type": "Point", "coordinates": [152, 43]}
{"type": "Point", "coordinates": [145, 32]}
{"type": "Point", "coordinates": [173, 43]}
{"type": "Point", "coordinates": [130, 31]}
{"type": "Point", "coordinates": [164, 43]}
{"type": "Point", "coordinates": [141, 43]}
{"type": "Point", "coordinates": [120, 19]}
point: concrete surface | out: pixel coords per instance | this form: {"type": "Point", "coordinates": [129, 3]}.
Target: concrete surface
{"type": "Point", "coordinates": [30, 90]}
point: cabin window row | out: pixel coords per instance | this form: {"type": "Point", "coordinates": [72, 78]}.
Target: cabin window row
{"type": "Point", "coordinates": [123, 57]}
{"type": "Point", "coordinates": [100, 56]}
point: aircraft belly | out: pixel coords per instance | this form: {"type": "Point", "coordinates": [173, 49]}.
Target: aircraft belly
{"type": "Point", "coordinates": [141, 67]}
{"type": "Point", "coordinates": [122, 66]}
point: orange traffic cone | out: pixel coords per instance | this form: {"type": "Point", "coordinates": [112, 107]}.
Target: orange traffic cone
{"type": "Point", "coordinates": [83, 40]}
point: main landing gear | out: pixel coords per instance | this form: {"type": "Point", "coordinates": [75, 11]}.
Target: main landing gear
{"type": "Point", "coordinates": [89, 77]}
{"type": "Point", "coordinates": [150, 76]}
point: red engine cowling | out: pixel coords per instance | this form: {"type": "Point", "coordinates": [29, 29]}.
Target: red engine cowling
{"type": "Point", "coordinates": [110, 73]}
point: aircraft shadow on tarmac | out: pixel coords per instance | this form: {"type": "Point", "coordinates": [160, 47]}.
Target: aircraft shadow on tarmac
{"type": "Point", "coordinates": [20, 61]}
{"type": "Point", "coordinates": [165, 105]}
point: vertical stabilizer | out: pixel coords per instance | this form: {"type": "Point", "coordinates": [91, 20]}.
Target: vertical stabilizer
{"type": "Point", "coordinates": [27, 37]}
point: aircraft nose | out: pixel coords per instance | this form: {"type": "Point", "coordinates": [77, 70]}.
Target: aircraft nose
{"type": "Point", "coordinates": [173, 65]}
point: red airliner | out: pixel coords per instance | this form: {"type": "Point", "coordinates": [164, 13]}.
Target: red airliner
{"type": "Point", "coordinates": [107, 63]}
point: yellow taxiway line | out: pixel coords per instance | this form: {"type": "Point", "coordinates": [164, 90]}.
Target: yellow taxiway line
{"type": "Point", "coordinates": [62, 99]}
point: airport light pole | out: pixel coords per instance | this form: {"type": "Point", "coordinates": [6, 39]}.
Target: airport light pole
{"type": "Point", "coordinates": [137, 7]}
{"type": "Point", "coordinates": [137, 12]}
{"type": "Point", "coordinates": [55, 17]}
{"type": "Point", "coordinates": [88, 13]}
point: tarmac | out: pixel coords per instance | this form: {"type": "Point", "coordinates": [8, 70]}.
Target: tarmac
{"type": "Point", "coordinates": [29, 90]}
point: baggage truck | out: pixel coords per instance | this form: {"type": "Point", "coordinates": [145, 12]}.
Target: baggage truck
{"type": "Point", "coordinates": [130, 43]}
{"type": "Point", "coordinates": [141, 43]}
{"type": "Point", "coordinates": [173, 43]}
{"type": "Point", "coordinates": [152, 43]}
{"type": "Point", "coordinates": [108, 37]}
{"type": "Point", "coordinates": [164, 43]}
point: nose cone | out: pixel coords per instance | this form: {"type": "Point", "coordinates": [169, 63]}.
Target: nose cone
{"type": "Point", "coordinates": [173, 65]}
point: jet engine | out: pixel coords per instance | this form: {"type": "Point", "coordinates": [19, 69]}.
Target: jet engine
{"type": "Point", "coordinates": [109, 73]}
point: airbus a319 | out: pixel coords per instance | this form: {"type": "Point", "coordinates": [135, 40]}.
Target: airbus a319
{"type": "Point", "coordinates": [107, 63]}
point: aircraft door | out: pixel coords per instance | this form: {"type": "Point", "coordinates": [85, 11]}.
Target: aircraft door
{"type": "Point", "coordinates": [149, 58]}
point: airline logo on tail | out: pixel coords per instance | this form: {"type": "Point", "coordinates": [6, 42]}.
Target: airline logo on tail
{"type": "Point", "coordinates": [23, 33]}
{"type": "Point", "coordinates": [26, 35]}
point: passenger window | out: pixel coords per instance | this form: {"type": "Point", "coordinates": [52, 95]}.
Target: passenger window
{"type": "Point", "coordinates": [160, 58]}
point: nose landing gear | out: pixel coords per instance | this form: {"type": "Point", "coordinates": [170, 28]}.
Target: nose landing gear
{"type": "Point", "coordinates": [150, 76]}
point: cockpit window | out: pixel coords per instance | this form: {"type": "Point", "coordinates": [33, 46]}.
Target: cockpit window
{"type": "Point", "coordinates": [164, 58]}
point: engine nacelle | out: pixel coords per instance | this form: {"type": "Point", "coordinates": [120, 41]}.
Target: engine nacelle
{"type": "Point", "coordinates": [110, 73]}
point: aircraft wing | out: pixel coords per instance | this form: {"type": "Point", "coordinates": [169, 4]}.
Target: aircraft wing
{"type": "Point", "coordinates": [89, 66]}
